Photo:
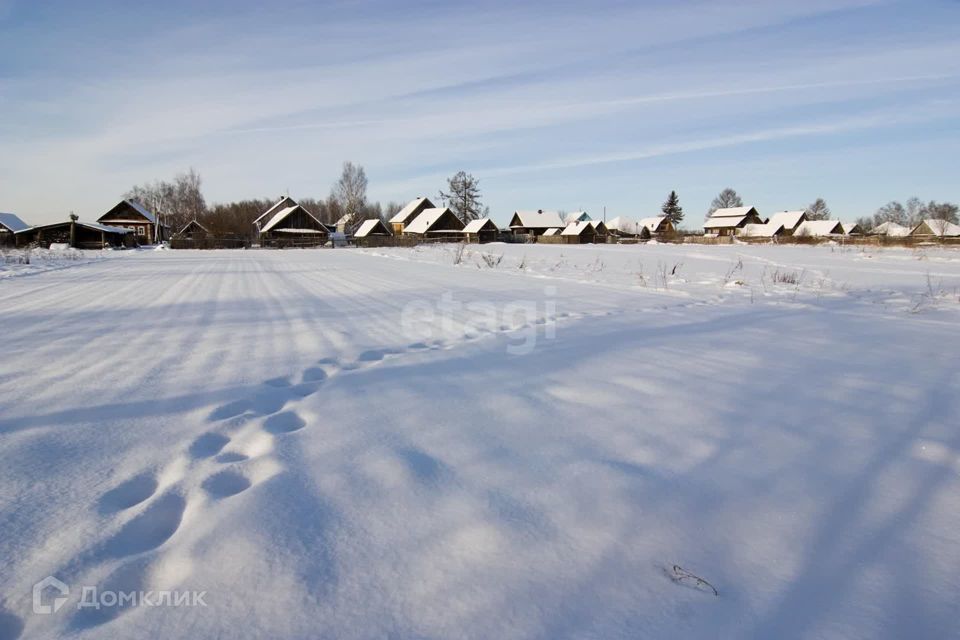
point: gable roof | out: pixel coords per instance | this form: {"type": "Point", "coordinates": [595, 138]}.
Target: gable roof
{"type": "Point", "coordinates": [623, 224]}
{"type": "Point", "coordinates": [576, 228]}
{"type": "Point", "coordinates": [552, 232]}
{"type": "Point", "coordinates": [369, 226]}
{"type": "Point", "coordinates": [133, 204]}
{"type": "Point", "coordinates": [850, 228]}
{"type": "Point", "coordinates": [427, 218]}
{"type": "Point", "coordinates": [789, 219]}
{"type": "Point", "coordinates": [279, 216]}
{"type": "Point", "coordinates": [12, 222]}
{"type": "Point", "coordinates": [539, 219]}
{"type": "Point", "coordinates": [891, 229]}
{"type": "Point", "coordinates": [733, 212]}
{"type": "Point", "coordinates": [476, 226]}
{"type": "Point", "coordinates": [940, 228]}
{"type": "Point", "coordinates": [815, 228]}
{"type": "Point", "coordinates": [651, 224]}
{"type": "Point", "coordinates": [95, 226]}
{"type": "Point", "coordinates": [194, 223]}
{"type": "Point", "coordinates": [282, 203]}
{"type": "Point", "coordinates": [412, 207]}
{"type": "Point", "coordinates": [596, 224]}
{"type": "Point", "coordinates": [767, 230]}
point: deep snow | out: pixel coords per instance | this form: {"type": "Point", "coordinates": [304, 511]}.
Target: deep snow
{"type": "Point", "coordinates": [382, 443]}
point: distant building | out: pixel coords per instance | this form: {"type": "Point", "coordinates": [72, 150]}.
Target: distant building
{"type": "Point", "coordinates": [789, 220]}
{"type": "Point", "coordinates": [624, 227]}
{"type": "Point", "coordinates": [130, 214]}
{"type": "Point", "coordinates": [819, 229]}
{"type": "Point", "coordinates": [936, 229]}
{"type": "Point", "coordinates": [891, 230]}
{"type": "Point", "coordinates": [438, 222]}
{"type": "Point", "coordinates": [281, 204]}
{"type": "Point", "coordinates": [77, 234]}
{"type": "Point", "coordinates": [579, 233]}
{"type": "Point", "coordinates": [292, 226]}
{"type": "Point", "coordinates": [193, 230]}
{"type": "Point", "coordinates": [729, 222]}
{"type": "Point", "coordinates": [655, 226]}
{"type": "Point", "coordinates": [535, 222]}
{"type": "Point", "coordinates": [406, 215]}
{"type": "Point", "coordinates": [372, 227]}
{"type": "Point", "coordinates": [769, 230]}
{"type": "Point", "coordinates": [576, 216]}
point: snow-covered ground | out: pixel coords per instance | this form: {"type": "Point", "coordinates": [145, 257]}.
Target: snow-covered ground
{"type": "Point", "coordinates": [20, 262]}
{"type": "Point", "coordinates": [383, 443]}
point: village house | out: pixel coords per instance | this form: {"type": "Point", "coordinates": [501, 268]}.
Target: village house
{"type": "Point", "coordinates": [534, 222]}
{"type": "Point", "coordinates": [729, 222]}
{"type": "Point", "coordinates": [623, 227]}
{"type": "Point", "coordinates": [576, 216]}
{"type": "Point", "coordinates": [655, 226]}
{"type": "Point", "coordinates": [481, 230]}
{"type": "Point", "coordinates": [437, 223]}
{"type": "Point", "coordinates": [130, 214]}
{"type": "Point", "coordinates": [852, 229]}
{"type": "Point", "coordinates": [283, 203]}
{"type": "Point", "coordinates": [292, 226]}
{"type": "Point", "coordinates": [193, 230]}
{"type": "Point", "coordinates": [936, 229]}
{"type": "Point", "coordinates": [599, 230]}
{"type": "Point", "coordinates": [10, 224]}
{"type": "Point", "coordinates": [789, 220]}
{"type": "Point", "coordinates": [406, 215]}
{"type": "Point", "coordinates": [579, 233]}
{"type": "Point", "coordinates": [819, 229]}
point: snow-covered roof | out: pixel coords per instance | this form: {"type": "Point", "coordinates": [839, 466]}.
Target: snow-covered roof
{"type": "Point", "coordinates": [282, 203]}
{"type": "Point", "coordinates": [279, 216]}
{"type": "Point", "coordinates": [13, 222]}
{"type": "Point", "coordinates": [344, 219]}
{"type": "Point", "coordinates": [651, 224]}
{"type": "Point", "coordinates": [941, 228]}
{"type": "Point", "coordinates": [723, 222]}
{"type": "Point", "coordinates": [551, 232]}
{"type": "Point", "coordinates": [816, 228]}
{"type": "Point", "coordinates": [576, 216]}
{"type": "Point", "coordinates": [95, 226]}
{"type": "Point", "coordinates": [426, 219]}
{"type": "Point", "coordinates": [412, 206]}
{"type": "Point", "coordinates": [300, 230]}
{"type": "Point", "coordinates": [623, 224]}
{"type": "Point", "coordinates": [789, 219]}
{"type": "Point", "coordinates": [476, 226]}
{"type": "Point", "coordinates": [732, 212]}
{"type": "Point", "coordinates": [368, 226]}
{"type": "Point", "coordinates": [538, 219]}
{"type": "Point", "coordinates": [576, 228]}
{"type": "Point", "coordinates": [851, 227]}
{"type": "Point", "coordinates": [596, 224]}
{"type": "Point", "coordinates": [891, 229]}
{"type": "Point", "coordinates": [767, 230]}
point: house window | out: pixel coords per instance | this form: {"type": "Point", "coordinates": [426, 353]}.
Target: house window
{"type": "Point", "coordinates": [141, 232]}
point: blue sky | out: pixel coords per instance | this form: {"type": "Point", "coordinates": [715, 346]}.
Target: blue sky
{"type": "Point", "coordinates": [568, 105]}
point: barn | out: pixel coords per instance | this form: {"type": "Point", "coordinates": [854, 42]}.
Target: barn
{"type": "Point", "coordinates": [130, 214]}
{"type": "Point", "coordinates": [481, 230]}
{"type": "Point", "coordinates": [77, 234]}
{"type": "Point", "coordinates": [293, 226]}
{"type": "Point", "coordinates": [371, 233]}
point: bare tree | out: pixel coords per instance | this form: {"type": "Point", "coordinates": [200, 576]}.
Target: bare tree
{"type": "Point", "coordinates": [350, 191]}
{"type": "Point", "coordinates": [941, 211]}
{"type": "Point", "coordinates": [724, 200]}
{"type": "Point", "coordinates": [463, 197]}
{"type": "Point", "coordinates": [818, 210]}
{"type": "Point", "coordinates": [174, 203]}
{"type": "Point", "coordinates": [893, 211]}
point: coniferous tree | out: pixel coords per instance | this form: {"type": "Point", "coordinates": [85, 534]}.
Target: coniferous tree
{"type": "Point", "coordinates": [672, 209]}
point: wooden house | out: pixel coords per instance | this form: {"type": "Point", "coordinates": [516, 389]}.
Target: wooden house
{"type": "Point", "coordinates": [293, 226]}
{"type": "Point", "coordinates": [576, 216]}
{"type": "Point", "coordinates": [371, 233]}
{"type": "Point", "coordinates": [936, 229]}
{"type": "Point", "coordinates": [729, 222]}
{"type": "Point", "coordinates": [10, 224]}
{"type": "Point", "coordinates": [406, 215]}
{"type": "Point", "coordinates": [130, 214]}
{"type": "Point", "coordinates": [623, 227]}
{"type": "Point", "coordinates": [789, 220]}
{"type": "Point", "coordinates": [767, 230]}
{"type": "Point", "coordinates": [435, 223]}
{"type": "Point", "coordinates": [481, 230]}
{"type": "Point", "coordinates": [281, 204]}
{"type": "Point", "coordinates": [852, 229]}
{"type": "Point", "coordinates": [534, 222]}
{"type": "Point", "coordinates": [891, 230]}
{"type": "Point", "coordinates": [819, 229]}
{"type": "Point", "coordinates": [77, 234]}
{"type": "Point", "coordinates": [579, 233]}
{"type": "Point", "coordinates": [599, 230]}
{"type": "Point", "coordinates": [655, 226]}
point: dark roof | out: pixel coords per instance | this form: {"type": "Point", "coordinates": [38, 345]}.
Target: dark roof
{"type": "Point", "coordinates": [12, 222]}
{"type": "Point", "coordinates": [136, 206]}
